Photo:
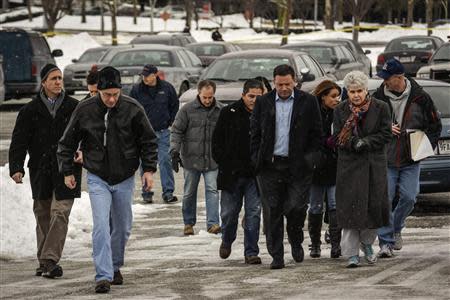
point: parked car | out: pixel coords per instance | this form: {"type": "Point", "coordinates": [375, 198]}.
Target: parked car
{"type": "Point", "coordinates": [231, 70]}
{"type": "Point", "coordinates": [164, 39]}
{"type": "Point", "coordinates": [335, 59]}
{"type": "Point", "coordinates": [412, 51]}
{"type": "Point", "coordinates": [25, 53]}
{"type": "Point", "coordinates": [358, 52]}
{"type": "Point", "coordinates": [2, 82]}
{"type": "Point", "coordinates": [434, 170]}
{"type": "Point", "coordinates": [438, 67]}
{"type": "Point", "coordinates": [179, 66]}
{"type": "Point", "coordinates": [209, 51]}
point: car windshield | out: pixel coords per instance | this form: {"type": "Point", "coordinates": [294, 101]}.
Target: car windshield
{"type": "Point", "coordinates": [443, 54]}
{"type": "Point", "coordinates": [207, 50]}
{"type": "Point", "coordinates": [322, 54]}
{"type": "Point", "coordinates": [141, 58]}
{"type": "Point", "coordinates": [410, 44]}
{"type": "Point", "coordinates": [91, 56]}
{"type": "Point", "coordinates": [234, 69]}
{"type": "Point", "coordinates": [440, 99]}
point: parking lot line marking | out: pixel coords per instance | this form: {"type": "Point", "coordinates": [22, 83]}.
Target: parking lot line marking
{"type": "Point", "coordinates": [427, 272]}
{"type": "Point", "coordinates": [388, 272]}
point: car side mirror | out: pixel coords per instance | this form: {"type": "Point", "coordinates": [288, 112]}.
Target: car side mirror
{"type": "Point", "coordinates": [334, 60]}
{"type": "Point", "coordinates": [74, 60]}
{"type": "Point", "coordinates": [367, 51]}
{"type": "Point", "coordinates": [306, 75]}
{"type": "Point", "coordinates": [57, 52]}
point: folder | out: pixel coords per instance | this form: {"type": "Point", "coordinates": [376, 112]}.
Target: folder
{"type": "Point", "coordinates": [420, 146]}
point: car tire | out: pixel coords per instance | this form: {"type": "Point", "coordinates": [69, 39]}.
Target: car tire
{"type": "Point", "coordinates": [183, 88]}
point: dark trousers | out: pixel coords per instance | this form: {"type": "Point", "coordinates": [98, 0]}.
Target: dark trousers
{"type": "Point", "coordinates": [52, 220]}
{"type": "Point", "coordinates": [283, 195]}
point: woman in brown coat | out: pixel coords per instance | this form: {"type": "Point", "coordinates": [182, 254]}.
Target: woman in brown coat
{"type": "Point", "coordinates": [362, 126]}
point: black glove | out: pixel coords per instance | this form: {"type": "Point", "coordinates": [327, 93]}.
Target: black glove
{"type": "Point", "coordinates": [176, 161]}
{"type": "Point", "coordinates": [359, 145]}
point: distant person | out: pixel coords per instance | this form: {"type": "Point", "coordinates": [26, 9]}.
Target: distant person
{"type": "Point", "coordinates": [190, 148]}
{"type": "Point", "coordinates": [362, 129]}
{"type": "Point", "coordinates": [216, 36]}
{"type": "Point", "coordinates": [324, 179]}
{"type": "Point", "coordinates": [266, 83]}
{"type": "Point", "coordinates": [39, 126]}
{"type": "Point", "coordinates": [160, 102]}
{"type": "Point", "coordinates": [91, 80]}
{"type": "Point", "coordinates": [116, 137]}
{"type": "Point", "coordinates": [236, 178]}
{"type": "Point", "coordinates": [285, 134]}
{"type": "Point", "coordinates": [411, 108]}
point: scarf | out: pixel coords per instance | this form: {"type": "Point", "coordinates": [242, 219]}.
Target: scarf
{"type": "Point", "coordinates": [357, 113]}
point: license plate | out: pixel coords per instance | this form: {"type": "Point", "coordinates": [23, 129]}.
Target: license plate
{"type": "Point", "coordinates": [444, 146]}
{"type": "Point", "coordinates": [405, 59]}
{"type": "Point", "coordinates": [127, 80]}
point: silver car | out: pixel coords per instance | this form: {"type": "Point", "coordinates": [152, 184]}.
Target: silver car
{"type": "Point", "coordinates": [177, 65]}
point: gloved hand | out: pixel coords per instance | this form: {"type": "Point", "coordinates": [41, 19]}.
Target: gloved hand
{"type": "Point", "coordinates": [176, 161]}
{"type": "Point", "coordinates": [359, 145]}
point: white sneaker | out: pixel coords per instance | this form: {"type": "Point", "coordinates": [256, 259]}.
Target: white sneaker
{"type": "Point", "coordinates": [398, 241]}
{"type": "Point", "coordinates": [385, 252]}
{"type": "Point", "coordinates": [369, 255]}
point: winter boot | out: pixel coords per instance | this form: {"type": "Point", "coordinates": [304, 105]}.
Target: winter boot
{"type": "Point", "coordinates": [314, 227]}
{"type": "Point", "coordinates": [335, 235]}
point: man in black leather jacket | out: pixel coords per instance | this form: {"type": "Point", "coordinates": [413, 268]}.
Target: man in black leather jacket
{"type": "Point", "coordinates": [115, 134]}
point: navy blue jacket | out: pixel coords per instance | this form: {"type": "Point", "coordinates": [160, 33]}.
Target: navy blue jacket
{"type": "Point", "coordinates": [160, 102]}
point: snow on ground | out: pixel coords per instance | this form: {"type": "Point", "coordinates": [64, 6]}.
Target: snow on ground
{"type": "Point", "coordinates": [19, 12]}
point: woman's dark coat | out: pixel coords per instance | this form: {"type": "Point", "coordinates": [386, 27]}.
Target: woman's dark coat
{"type": "Point", "coordinates": [38, 133]}
{"type": "Point", "coordinates": [361, 183]}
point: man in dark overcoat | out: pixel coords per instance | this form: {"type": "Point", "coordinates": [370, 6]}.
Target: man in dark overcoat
{"type": "Point", "coordinates": [285, 133]}
{"type": "Point", "coordinates": [39, 126]}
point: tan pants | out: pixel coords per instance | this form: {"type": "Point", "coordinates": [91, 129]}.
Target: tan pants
{"type": "Point", "coordinates": [52, 219]}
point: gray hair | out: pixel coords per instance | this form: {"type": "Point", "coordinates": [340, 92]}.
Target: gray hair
{"type": "Point", "coordinates": [356, 80]}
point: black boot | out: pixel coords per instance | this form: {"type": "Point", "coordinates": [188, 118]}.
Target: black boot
{"type": "Point", "coordinates": [335, 235]}
{"type": "Point", "coordinates": [314, 227]}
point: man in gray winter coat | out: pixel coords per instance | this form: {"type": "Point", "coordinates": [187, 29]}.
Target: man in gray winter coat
{"type": "Point", "coordinates": [190, 147]}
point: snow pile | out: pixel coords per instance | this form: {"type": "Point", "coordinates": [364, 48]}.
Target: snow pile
{"type": "Point", "coordinates": [17, 222]}
{"type": "Point", "coordinates": [72, 45]}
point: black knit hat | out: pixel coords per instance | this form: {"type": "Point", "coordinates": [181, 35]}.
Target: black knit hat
{"type": "Point", "coordinates": [108, 78]}
{"type": "Point", "coordinates": [47, 69]}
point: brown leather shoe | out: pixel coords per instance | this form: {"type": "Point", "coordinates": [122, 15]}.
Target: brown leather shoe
{"type": "Point", "coordinates": [188, 229]}
{"type": "Point", "coordinates": [118, 278]}
{"type": "Point", "coordinates": [224, 251]}
{"type": "Point", "coordinates": [214, 229]}
{"type": "Point", "coordinates": [253, 260]}
{"type": "Point", "coordinates": [102, 287]}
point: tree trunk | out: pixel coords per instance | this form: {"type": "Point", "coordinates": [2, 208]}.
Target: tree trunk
{"type": "Point", "coordinates": [30, 14]}
{"type": "Point", "coordinates": [328, 16]}
{"type": "Point", "coordinates": [389, 14]}
{"type": "Point", "coordinates": [429, 16]}
{"type": "Point", "coordinates": [188, 7]}
{"type": "Point", "coordinates": [152, 11]}
{"type": "Point", "coordinates": [83, 11]}
{"type": "Point", "coordinates": [287, 19]}
{"type": "Point", "coordinates": [114, 23]}
{"type": "Point", "coordinates": [102, 18]}
{"type": "Point", "coordinates": [135, 12]}
{"type": "Point", "coordinates": [410, 15]}
{"type": "Point", "coordinates": [340, 11]}
{"type": "Point", "coordinates": [356, 22]}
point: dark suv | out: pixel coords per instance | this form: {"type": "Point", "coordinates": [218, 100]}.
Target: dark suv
{"type": "Point", "coordinates": [24, 54]}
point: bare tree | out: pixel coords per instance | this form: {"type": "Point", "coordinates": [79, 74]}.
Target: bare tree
{"type": "Point", "coordinates": [30, 14]}
{"type": "Point", "coordinates": [358, 9]}
{"type": "Point", "coordinates": [152, 4]}
{"type": "Point", "coordinates": [250, 11]}
{"type": "Point", "coordinates": [53, 12]}
{"type": "Point", "coordinates": [429, 16]}
{"type": "Point", "coordinates": [410, 15]}
{"type": "Point", "coordinates": [135, 12]}
{"type": "Point", "coordinates": [112, 5]}
{"type": "Point", "coordinates": [189, 7]}
{"type": "Point", "coordinates": [83, 11]}
{"type": "Point", "coordinates": [328, 16]}
{"type": "Point", "coordinates": [340, 11]}
{"type": "Point", "coordinates": [287, 19]}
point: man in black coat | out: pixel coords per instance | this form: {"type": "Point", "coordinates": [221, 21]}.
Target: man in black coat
{"type": "Point", "coordinates": [285, 133]}
{"type": "Point", "coordinates": [39, 126]}
{"type": "Point", "coordinates": [236, 177]}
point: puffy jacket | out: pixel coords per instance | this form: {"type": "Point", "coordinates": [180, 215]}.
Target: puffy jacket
{"type": "Point", "coordinates": [420, 113]}
{"type": "Point", "coordinates": [160, 102]}
{"type": "Point", "coordinates": [128, 134]}
{"type": "Point", "coordinates": [191, 134]}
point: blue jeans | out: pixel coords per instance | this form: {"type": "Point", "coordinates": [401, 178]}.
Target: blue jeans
{"type": "Point", "coordinates": [316, 198]}
{"type": "Point", "coordinates": [165, 165]}
{"type": "Point", "coordinates": [407, 180]}
{"type": "Point", "coordinates": [112, 217]}
{"type": "Point", "coordinates": [191, 180]}
{"type": "Point", "coordinates": [231, 204]}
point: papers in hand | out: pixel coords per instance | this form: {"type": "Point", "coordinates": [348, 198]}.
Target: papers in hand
{"type": "Point", "coordinates": [420, 145]}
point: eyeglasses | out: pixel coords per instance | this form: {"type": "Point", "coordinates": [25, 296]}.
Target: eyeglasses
{"type": "Point", "coordinates": [109, 95]}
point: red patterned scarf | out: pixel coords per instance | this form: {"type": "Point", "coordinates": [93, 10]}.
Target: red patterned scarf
{"type": "Point", "coordinates": [357, 113]}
